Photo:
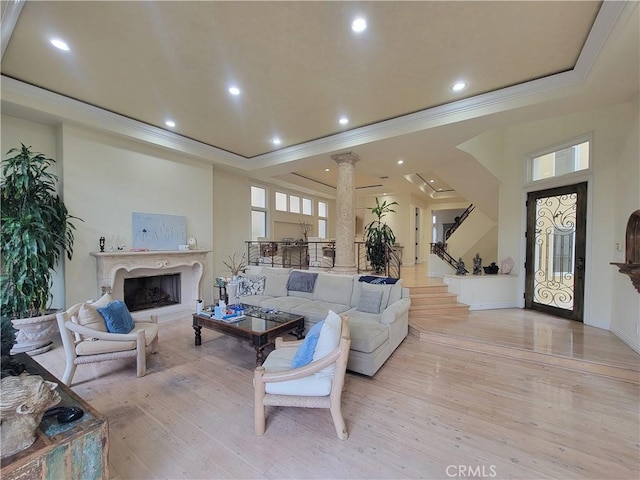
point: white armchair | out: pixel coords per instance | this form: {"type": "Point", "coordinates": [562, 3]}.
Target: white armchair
{"type": "Point", "coordinates": [318, 384]}
{"type": "Point", "coordinates": [86, 340]}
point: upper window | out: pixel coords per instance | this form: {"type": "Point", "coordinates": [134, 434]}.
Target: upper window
{"type": "Point", "coordinates": [307, 208]}
{"type": "Point", "coordinates": [322, 220]}
{"type": "Point", "coordinates": [559, 162]}
{"type": "Point", "coordinates": [258, 197]}
{"type": "Point", "coordinates": [322, 228]}
{"type": "Point", "coordinates": [258, 224]}
{"type": "Point", "coordinates": [281, 201]}
{"type": "Point", "coordinates": [258, 212]}
{"type": "Point", "coordinates": [322, 209]}
{"type": "Point", "coordinates": [294, 204]}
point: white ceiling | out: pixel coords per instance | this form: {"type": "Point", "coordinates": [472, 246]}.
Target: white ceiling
{"type": "Point", "coordinates": [300, 67]}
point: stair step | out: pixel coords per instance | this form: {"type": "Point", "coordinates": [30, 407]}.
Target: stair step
{"type": "Point", "coordinates": [421, 330]}
{"type": "Point", "coordinates": [438, 309]}
{"type": "Point", "coordinates": [423, 289]}
{"type": "Point", "coordinates": [433, 298]}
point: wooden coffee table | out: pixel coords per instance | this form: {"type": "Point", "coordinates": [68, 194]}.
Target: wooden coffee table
{"type": "Point", "coordinates": [260, 327]}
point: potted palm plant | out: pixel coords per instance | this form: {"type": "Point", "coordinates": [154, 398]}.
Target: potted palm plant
{"type": "Point", "coordinates": [378, 236]}
{"type": "Point", "coordinates": [35, 230]}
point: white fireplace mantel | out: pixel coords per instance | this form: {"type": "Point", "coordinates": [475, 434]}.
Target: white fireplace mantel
{"type": "Point", "coordinates": [108, 264]}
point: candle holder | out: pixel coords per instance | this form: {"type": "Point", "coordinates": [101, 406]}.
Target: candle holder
{"type": "Point", "coordinates": [102, 244]}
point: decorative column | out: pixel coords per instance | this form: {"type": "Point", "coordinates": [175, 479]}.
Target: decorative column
{"type": "Point", "coordinates": [345, 260]}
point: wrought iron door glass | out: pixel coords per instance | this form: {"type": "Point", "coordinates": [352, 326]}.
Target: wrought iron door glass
{"type": "Point", "coordinates": [554, 253]}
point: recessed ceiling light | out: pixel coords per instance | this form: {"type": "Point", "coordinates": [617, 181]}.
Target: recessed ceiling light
{"type": "Point", "coordinates": [343, 121]}
{"type": "Point", "coordinates": [234, 90]}
{"type": "Point", "coordinates": [56, 42]}
{"type": "Point", "coordinates": [276, 141]}
{"type": "Point", "coordinates": [431, 181]}
{"type": "Point", "coordinates": [327, 169]}
{"type": "Point", "coordinates": [400, 162]}
{"type": "Point", "coordinates": [359, 25]}
{"type": "Point", "coordinates": [456, 87]}
{"type": "Point", "coordinates": [170, 123]}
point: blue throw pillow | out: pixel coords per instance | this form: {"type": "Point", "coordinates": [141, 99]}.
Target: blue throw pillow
{"type": "Point", "coordinates": [117, 317]}
{"type": "Point", "coordinates": [377, 280]}
{"type": "Point", "coordinates": [304, 355]}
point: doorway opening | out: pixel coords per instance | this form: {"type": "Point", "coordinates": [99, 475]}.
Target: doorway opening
{"type": "Point", "coordinates": [556, 245]}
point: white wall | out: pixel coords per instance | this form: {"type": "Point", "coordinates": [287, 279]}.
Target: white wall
{"type": "Point", "coordinates": [626, 299]}
{"type": "Point", "coordinates": [487, 247]}
{"type": "Point", "coordinates": [476, 234]}
{"type": "Point", "coordinates": [396, 220]}
{"type": "Point", "coordinates": [287, 224]}
{"type": "Point", "coordinates": [402, 222]}
{"type": "Point", "coordinates": [614, 156]}
{"type": "Point", "coordinates": [435, 266]}
{"type": "Point", "coordinates": [487, 148]}
{"type": "Point", "coordinates": [42, 138]}
{"type": "Point", "coordinates": [232, 214]}
{"type": "Point", "coordinates": [107, 178]}
{"type": "Point", "coordinates": [104, 178]}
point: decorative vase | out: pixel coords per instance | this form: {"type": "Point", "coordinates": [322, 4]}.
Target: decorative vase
{"type": "Point", "coordinates": [35, 334]}
{"type": "Point", "coordinates": [232, 291]}
{"type": "Point", "coordinates": [491, 269]}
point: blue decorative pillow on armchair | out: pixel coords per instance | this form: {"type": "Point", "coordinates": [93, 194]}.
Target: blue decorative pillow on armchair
{"type": "Point", "coordinates": [117, 317]}
{"type": "Point", "coordinates": [304, 354]}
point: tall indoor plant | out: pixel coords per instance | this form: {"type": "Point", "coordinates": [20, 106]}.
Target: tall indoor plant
{"type": "Point", "coordinates": [35, 230]}
{"type": "Point", "coordinates": [378, 236]}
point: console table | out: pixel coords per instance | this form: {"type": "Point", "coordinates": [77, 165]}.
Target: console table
{"type": "Point", "coordinates": [75, 450]}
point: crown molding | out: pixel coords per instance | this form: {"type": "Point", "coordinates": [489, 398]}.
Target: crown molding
{"type": "Point", "coordinates": [608, 16]}
{"type": "Point", "coordinates": [65, 109]}
{"type": "Point", "coordinates": [10, 13]}
{"type": "Point", "coordinates": [499, 100]}
{"type": "Point", "coordinates": [454, 112]}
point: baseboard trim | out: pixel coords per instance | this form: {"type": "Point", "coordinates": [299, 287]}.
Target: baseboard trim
{"type": "Point", "coordinates": [492, 306]}
{"type": "Point", "coordinates": [625, 338]}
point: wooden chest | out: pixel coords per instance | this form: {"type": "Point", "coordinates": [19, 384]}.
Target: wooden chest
{"type": "Point", "coordinates": [74, 450]}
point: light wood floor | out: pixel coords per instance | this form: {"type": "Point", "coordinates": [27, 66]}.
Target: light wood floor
{"type": "Point", "coordinates": [527, 335]}
{"type": "Point", "coordinates": [431, 411]}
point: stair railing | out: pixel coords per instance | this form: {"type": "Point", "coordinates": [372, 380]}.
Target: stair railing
{"type": "Point", "coordinates": [439, 249]}
{"type": "Point", "coordinates": [298, 254]}
{"type": "Point", "coordinates": [458, 222]}
{"type": "Point", "coordinates": [392, 267]}
{"type": "Point", "coordinates": [291, 254]}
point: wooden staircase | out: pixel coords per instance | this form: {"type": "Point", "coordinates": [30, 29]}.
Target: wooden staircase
{"type": "Point", "coordinates": [434, 300]}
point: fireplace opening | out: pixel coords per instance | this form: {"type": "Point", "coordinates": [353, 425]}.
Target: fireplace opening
{"type": "Point", "coordinates": [144, 293]}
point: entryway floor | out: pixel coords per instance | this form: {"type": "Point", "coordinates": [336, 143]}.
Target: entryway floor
{"type": "Point", "coordinates": [527, 335]}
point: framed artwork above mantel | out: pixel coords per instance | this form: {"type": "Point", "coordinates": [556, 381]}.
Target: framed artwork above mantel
{"type": "Point", "coordinates": [154, 231]}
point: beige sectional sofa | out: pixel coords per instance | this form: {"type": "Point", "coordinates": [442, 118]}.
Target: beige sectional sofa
{"type": "Point", "coordinates": [378, 313]}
